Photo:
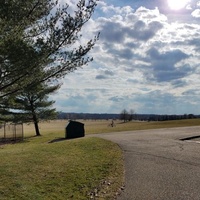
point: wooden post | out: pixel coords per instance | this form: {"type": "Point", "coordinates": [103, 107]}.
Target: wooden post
{"type": "Point", "coordinates": [4, 130]}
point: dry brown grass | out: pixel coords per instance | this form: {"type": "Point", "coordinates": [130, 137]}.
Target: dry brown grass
{"type": "Point", "coordinates": [57, 126]}
{"type": "Point", "coordinates": [102, 126]}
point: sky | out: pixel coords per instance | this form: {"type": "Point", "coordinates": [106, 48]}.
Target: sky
{"type": "Point", "coordinates": [146, 59]}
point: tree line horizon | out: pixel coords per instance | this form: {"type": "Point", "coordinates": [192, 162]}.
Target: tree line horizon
{"type": "Point", "coordinates": [124, 117]}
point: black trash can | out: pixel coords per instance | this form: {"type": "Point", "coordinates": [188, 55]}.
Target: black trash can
{"type": "Point", "coordinates": [74, 129]}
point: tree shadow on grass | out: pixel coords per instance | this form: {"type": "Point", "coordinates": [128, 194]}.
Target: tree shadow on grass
{"type": "Point", "coordinates": [4, 141]}
{"type": "Point", "coordinates": [60, 140]}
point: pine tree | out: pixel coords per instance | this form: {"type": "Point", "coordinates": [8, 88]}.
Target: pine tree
{"type": "Point", "coordinates": [41, 36]}
{"type": "Point", "coordinates": [31, 105]}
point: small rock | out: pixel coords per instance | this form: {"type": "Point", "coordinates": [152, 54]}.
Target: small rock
{"type": "Point", "coordinates": [122, 188]}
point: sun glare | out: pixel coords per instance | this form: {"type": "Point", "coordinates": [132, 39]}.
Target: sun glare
{"type": "Point", "coordinates": [177, 4]}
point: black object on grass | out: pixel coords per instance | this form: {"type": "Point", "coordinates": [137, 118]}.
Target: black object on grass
{"type": "Point", "coordinates": [74, 129]}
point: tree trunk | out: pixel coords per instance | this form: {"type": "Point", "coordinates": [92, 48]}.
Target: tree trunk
{"type": "Point", "coordinates": [37, 130]}
{"type": "Point", "coordinates": [35, 120]}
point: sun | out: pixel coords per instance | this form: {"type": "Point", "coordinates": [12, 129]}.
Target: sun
{"type": "Point", "coordinates": [177, 4]}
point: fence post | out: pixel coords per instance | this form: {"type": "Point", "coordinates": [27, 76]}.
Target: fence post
{"type": "Point", "coordinates": [22, 131]}
{"type": "Point", "coordinates": [12, 131]}
{"type": "Point", "coordinates": [15, 131]}
{"type": "Point", "coordinates": [4, 130]}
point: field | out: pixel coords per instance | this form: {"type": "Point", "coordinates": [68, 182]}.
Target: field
{"type": "Point", "coordinates": [57, 127]}
{"type": "Point", "coordinates": [39, 168]}
{"type": "Point", "coordinates": [50, 167]}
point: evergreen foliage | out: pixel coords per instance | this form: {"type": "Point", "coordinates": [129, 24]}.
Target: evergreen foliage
{"type": "Point", "coordinates": [40, 42]}
{"type": "Point", "coordinates": [31, 105]}
{"type": "Point", "coordinates": [41, 35]}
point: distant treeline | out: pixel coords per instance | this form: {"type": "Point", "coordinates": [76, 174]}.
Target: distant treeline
{"type": "Point", "coordinates": [93, 116]}
{"type": "Point", "coordinates": [140, 117]}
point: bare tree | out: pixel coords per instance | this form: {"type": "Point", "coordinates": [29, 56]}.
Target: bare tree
{"type": "Point", "coordinates": [124, 115]}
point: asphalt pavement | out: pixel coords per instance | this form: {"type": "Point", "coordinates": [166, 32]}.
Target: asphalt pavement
{"type": "Point", "coordinates": [158, 165]}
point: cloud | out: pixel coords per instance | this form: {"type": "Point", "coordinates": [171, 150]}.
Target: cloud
{"type": "Point", "coordinates": [163, 65]}
{"type": "Point", "coordinates": [113, 9]}
{"type": "Point", "coordinates": [171, 57]}
{"type": "Point", "coordinates": [109, 73]}
{"type": "Point", "coordinates": [191, 92]}
{"type": "Point", "coordinates": [105, 74]}
{"type": "Point", "coordinates": [143, 31]}
{"type": "Point", "coordinates": [154, 101]}
{"type": "Point", "coordinates": [124, 53]}
{"type": "Point", "coordinates": [101, 77]}
{"type": "Point", "coordinates": [179, 83]}
{"type": "Point", "coordinates": [116, 99]}
{"type": "Point", "coordinates": [111, 31]}
{"type": "Point", "coordinates": [146, 59]}
{"type": "Point", "coordinates": [117, 29]}
{"type": "Point", "coordinates": [196, 13]}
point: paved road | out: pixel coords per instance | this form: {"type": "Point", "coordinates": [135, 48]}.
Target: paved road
{"type": "Point", "coordinates": [159, 166]}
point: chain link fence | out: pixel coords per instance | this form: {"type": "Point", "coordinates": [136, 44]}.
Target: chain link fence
{"type": "Point", "coordinates": [11, 131]}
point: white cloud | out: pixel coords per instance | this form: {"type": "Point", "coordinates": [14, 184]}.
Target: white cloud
{"type": "Point", "coordinates": [196, 13]}
{"type": "Point", "coordinates": [198, 4]}
{"type": "Point", "coordinates": [142, 61]}
{"type": "Point", "coordinates": [147, 15]}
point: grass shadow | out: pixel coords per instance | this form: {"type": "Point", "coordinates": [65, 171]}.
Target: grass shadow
{"type": "Point", "coordinates": [60, 139]}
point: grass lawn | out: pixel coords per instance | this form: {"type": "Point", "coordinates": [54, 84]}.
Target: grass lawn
{"type": "Point", "coordinates": [85, 168]}
{"type": "Point", "coordinates": [39, 168]}
{"type": "Point", "coordinates": [68, 169]}
{"type": "Point", "coordinates": [102, 126]}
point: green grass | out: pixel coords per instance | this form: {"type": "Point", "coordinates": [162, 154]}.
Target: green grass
{"type": "Point", "coordinates": [69, 169]}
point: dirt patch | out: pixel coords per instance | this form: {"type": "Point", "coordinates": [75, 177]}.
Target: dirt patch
{"type": "Point", "coordinates": [7, 141]}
